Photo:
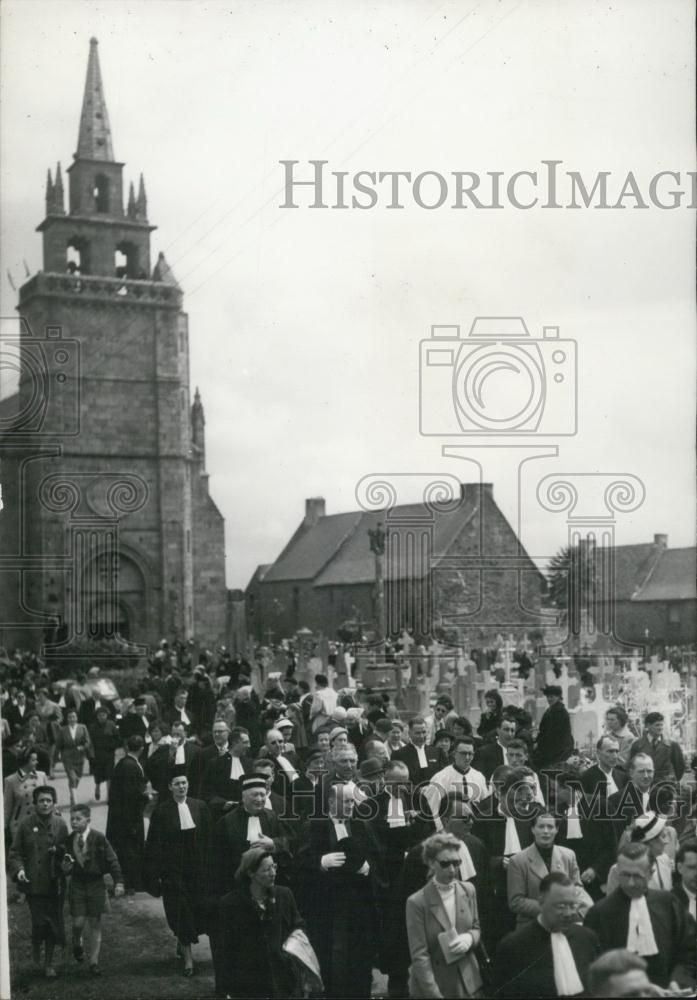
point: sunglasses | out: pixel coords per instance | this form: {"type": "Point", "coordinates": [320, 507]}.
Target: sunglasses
{"type": "Point", "coordinates": [455, 863]}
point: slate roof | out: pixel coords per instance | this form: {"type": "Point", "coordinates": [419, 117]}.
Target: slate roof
{"type": "Point", "coordinates": [336, 550]}
{"type": "Point", "coordinates": [311, 548]}
{"type": "Point", "coordinates": [673, 577]}
{"type": "Point", "coordinates": [355, 563]}
{"type": "Point", "coordinates": [259, 573]}
{"type": "Point", "coordinates": [632, 565]}
{"type": "Point", "coordinates": [652, 573]}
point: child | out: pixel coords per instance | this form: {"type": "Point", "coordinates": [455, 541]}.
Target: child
{"type": "Point", "coordinates": [89, 856]}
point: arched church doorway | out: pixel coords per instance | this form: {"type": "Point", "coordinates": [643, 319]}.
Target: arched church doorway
{"type": "Point", "coordinates": [117, 599]}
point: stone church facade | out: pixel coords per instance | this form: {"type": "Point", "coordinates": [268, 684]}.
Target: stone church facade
{"type": "Point", "coordinates": [108, 527]}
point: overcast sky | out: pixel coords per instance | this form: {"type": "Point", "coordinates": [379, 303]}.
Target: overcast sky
{"type": "Point", "coordinates": [305, 325]}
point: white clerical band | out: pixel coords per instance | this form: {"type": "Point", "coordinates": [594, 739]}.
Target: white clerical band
{"type": "Point", "coordinates": [186, 820]}
{"type": "Point", "coordinates": [640, 936]}
{"type": "Point", "coordinates": [566, 977]}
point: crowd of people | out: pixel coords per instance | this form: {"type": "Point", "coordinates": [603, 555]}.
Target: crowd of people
{"type": "Point", "coordinates": [315, 836]}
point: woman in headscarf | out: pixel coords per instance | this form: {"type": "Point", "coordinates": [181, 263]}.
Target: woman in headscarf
{"type": "Point", "coordinates": [177, 864]}
{"type": "Point", "coordinates": [255, 921]}
{"type": "Point", "coordinates": [443, 926]}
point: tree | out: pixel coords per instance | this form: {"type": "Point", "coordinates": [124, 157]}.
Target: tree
{"type": "Point", "coordinates": [573, 578]}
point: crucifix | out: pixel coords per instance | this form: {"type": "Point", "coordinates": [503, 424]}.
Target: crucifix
{"type": "Point", "coordinates": [378, 539]}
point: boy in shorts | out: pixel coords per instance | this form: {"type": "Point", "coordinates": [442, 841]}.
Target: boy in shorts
{"type": "Point", "coordinates": [89, 856]}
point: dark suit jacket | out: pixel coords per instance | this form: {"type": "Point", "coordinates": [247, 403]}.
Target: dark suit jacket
{"type": "Point", "coordinates": [680, 894]}
{"type": "Point", "coordinates": [490, 828]}
{"type": "Point", "coordinates": [230, 842]}
{"type": "Point", "coordinates": [408, 755]}
{"type": "Point", "coordinates": [595, 777]}
{"type": "Point", "coordinates": [210, 752]}
{"type": "Point", "coordinates": [554, 738]}
{"type": "Point", "coordinates": [172, 715]}
{"type": "Point", "coordinates": [87, 712]}
{"type": "Point", "coordinates": [667, 757]}
{"type": "Point", "coordinates": [394, 841]}
{"type": "Point", "coordinates": [281, 785]}
{"type": "Point", "coordinates": [675, 939]}
{"type": "Point", "coordinates": [488, 758]}
{"type": "Point", "coordinates": [100, 858]}
{"type": "Point", "coordinates": [132, 725]}
{"type": "Point", "coordinates": [126, 801]}
{"type": "Point", "coordinates": [160, 767]}
{"type": "Point", "coordinates": [14, 719]}
{"type": "Point", "coordinates": [524, 967]}
{"type": "Point", "coordinates": [218, 787]}
{"type": "Point", "coordinates": [624, 806]}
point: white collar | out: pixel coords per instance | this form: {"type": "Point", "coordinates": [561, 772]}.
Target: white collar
{"type": "Point", "coordinates": [85, 833]}
{"type": "Point", "coordinates": [444, 890]}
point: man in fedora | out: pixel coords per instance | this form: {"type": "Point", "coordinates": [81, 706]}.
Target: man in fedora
{"type": "Point", "coordinates": [371, 778]}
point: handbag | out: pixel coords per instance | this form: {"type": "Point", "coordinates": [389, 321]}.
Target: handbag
{"type": "Point", "coordinates": [485, 964]}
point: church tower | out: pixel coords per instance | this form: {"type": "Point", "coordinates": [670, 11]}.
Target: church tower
{"type": "Point", "coordinates": [103, 471]}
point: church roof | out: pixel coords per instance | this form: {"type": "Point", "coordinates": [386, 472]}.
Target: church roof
{"type": "Point", "coordinates": [94, 138]}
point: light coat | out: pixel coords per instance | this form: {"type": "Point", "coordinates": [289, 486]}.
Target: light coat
{"type": "Point", "coordinates": [525, 872]}
{"type": "Point", "coordinates": [429, 974]}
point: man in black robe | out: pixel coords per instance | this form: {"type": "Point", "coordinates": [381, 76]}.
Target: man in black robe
{"type": "Point", "coordinates": [549, 956]}
{"type": "Point", "coordinates": [341, 866]}
{"type": "Point", "coordinates": [124, 827]}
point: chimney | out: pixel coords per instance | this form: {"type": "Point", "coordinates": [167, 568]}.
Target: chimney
{"type": "Point", "coordinates": [660, 541]}
{"type": "Point", "coordinates": [476, 489]}
{"type": "Point", "coordinates": [314, 509]}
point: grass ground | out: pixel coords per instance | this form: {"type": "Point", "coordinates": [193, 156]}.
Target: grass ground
{"type": "Point", "coordinates": [137, 959]}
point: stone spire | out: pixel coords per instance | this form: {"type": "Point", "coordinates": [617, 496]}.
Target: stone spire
{"type": "Point", "coordinates": [49, 192]}
{"type": "Point", "coordinates": [94, 139]}
{"type": "Point", "coordinates": [163, 272]}
{"type": "Point", "coordinates": [58, 201]}
{"type": "Point", "coordinates": [142, 203]}
{"type": "Point", "coordinates": [131, 210]}
{"type": "Point", "coordinates": [198, 429]}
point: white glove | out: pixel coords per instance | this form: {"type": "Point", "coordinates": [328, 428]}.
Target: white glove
{"type": "Point", "coordinates": [364, 869]}
{"type": "Point", "coordinates": [334, 860]}
{"type": "Point", "coordinates": [21, 876]}
{"type": "Point", "coordinates": [462, 944]}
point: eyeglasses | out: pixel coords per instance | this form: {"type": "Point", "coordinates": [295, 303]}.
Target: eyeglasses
{"type": "Point", "coordinates": [451, 863]}
{"type": "Point", "coordinates": [271, 867]}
